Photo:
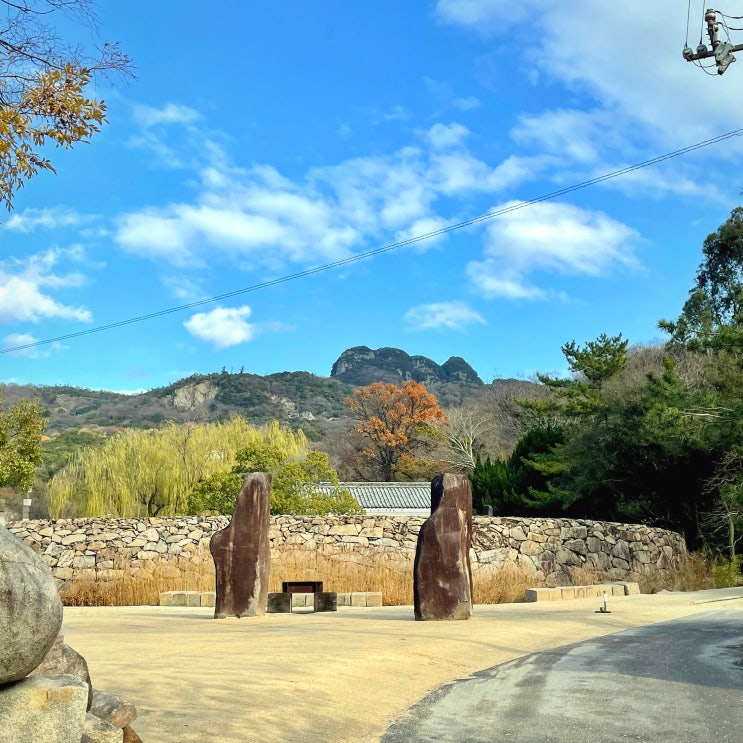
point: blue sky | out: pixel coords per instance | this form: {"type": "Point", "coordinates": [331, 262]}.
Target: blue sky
{"type": "Point", "coordinates": [265, 138]}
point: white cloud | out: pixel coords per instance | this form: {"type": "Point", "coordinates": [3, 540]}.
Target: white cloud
{"type": "Point", "coordinates": [492, 280]}
{"type": "Point", "coordinates": [170, 113]}
{"type": "Point", "coordinates": [19, 340]}
{"type": "Point", "coordinates": [481, 15]}
{"type": "Point", "coordinates": [467, 103]}
{"type": "Point", "coordinates": [157, 233]}
{"type": "Point", "coordinates": [573, 133]}
{"type": "Point", "coordinates": [549, 237]}
{"type": "Point", "coordinates": [29, 220]}
{"type": "Point", "coordinates": [444, 136]}
{"type": "Point", "coordinates": [449, 315]}
{"type": "Point", "coordinates": [256, 217]}
{"type": "Point", "coordinates": [163, 152]}
{"type": "Point", "coordinates": [25, 287]}
{"type": "Point", "coordinates": [424, 226]}
{"type": "Point", "coordinates": [221, 326]}
{"type": "Point", "coordinates": [184, 288]}
{"type": "Point", "coordinates": [397, 113]}
{"type": "Point", "coordinates": [666, 100]}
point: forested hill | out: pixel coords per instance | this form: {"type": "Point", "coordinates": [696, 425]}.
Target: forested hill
{"type": "Point", "coordinates": [296, 398]}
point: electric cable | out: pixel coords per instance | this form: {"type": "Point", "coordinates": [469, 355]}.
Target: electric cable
{"type": "Point", "coordinates": [385, 248]}
{"type": "Point", "coordinates": [688, 17]}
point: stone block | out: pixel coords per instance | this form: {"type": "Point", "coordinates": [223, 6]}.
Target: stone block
{"type": "Point", "coordinates": [374, 598]}
{"type": "Point", "coordinates": [73, 538]}
{"type": "Point", "coordinates": [530, 547]}
{"type": "Point", "coordinates": [43, 708]}
{"type": "Point", "coordinates": [173, 598]}
{"type": "Point", "coordinates": [325, 601]}
{"type": "Point", "coordinates": [130, 736]}
{"type": "Point", "coordinates": [279, 603]}
{"type": "Point", "coordinates": [442, 572]}
{"type": "Point", "coordinates": [300, 600]}
{"type": "Point", "coordinates": [631, 588]}
{"type": "Point", "coordinates": [358, 598]}
{"type": "Point", "coordinates": [344, 599]}
{"type": "Point", "coordinates": [208, 598]}
{"type": "Point", "coordinates": [541, 594]}
{"type": "Point", "coordinates": [567, 592]}
{"type": "Point", "coordinates": [63, 660]}
{"type": "Point", "coordinates": [112, 709]}
{"type": "Point", "coordinates": [242, 552]}
{"type": "Point", "coordinates": [617, 589]}
{"type": "Point", "coordinates": [99, 731]}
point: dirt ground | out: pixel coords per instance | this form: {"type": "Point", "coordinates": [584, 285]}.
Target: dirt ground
{"type": "Point", "coordinates": [341, 676]}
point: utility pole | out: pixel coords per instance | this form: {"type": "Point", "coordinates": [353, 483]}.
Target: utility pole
{"type": "Point", "coordinates": [722, 51]}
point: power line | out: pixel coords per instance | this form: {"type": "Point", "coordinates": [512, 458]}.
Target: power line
{"type": "Point", "coordinates": [384, 249]}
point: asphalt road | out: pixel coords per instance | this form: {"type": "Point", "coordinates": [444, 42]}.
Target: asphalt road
{"type": "Point", "coordinates": [675, 682]}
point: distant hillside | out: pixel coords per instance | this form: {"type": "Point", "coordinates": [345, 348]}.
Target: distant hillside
{"type": "Point", "coordinates": [290, 397]}
{"type": "Point", "coordinates": [298, 399]}
{"type": "Point", "coordinates": [362, 365]}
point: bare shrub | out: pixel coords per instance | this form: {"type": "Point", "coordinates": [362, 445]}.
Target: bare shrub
{"type": "Point", "coordinates": [585, 575]}
{"type": "Point", "coordinates": [692, 572]}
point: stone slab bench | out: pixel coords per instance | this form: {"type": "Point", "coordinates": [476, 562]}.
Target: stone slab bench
{"type": "Point", "coordinates": [286, 602]}
{"type": "Point", "coordinates": [360, 598]}
{"type": "Point", "coordinates": [188, 598]}
{"type": "Point", "coordinates": [298, 600]}
{"type": "Point", "coordinates": [598, 590]}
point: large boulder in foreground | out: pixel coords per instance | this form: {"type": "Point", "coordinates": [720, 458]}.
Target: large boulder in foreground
{"type": "Point", "coordinates": [30, 608]}
{"type": "Point", "coordinates": [43, 708]}
{"type": "Point", "coordinates": [63, 660]}
{"type": "Point", "coordinates": [242, 552]}
{"type": "Point", "coordinates": [442, 574]}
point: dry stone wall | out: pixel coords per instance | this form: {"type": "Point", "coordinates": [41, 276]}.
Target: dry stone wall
{"type": "Point", "coordinates": [551, 550]}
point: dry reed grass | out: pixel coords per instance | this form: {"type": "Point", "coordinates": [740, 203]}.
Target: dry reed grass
{"type": "Point", "coordinates": [389, 573]}
{"type": "Point", "coordinates": [503, 585]}
{"type": "Point", "coordinates": [691, 572]}
{"type": "Point", "coordinates": [343, 572]}
{"type": "Point", "coordinates": [140, 588]}
{"type": "Point", "coordinates": [585, 575]}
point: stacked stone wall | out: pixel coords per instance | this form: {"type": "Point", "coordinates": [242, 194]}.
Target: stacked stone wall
{"type": "Point", "coordinates": [552, 551]}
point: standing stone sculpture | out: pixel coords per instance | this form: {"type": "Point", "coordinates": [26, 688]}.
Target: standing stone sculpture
{"type": "Point", "coordinates": [30, 608]}
{"type": "Point", "coordinates": [241, 552]}
{"type": "Point", "coordinates": [442, 574]}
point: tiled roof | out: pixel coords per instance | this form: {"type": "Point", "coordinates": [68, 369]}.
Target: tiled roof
{"type": "Point", "coordinates": [390, 496]}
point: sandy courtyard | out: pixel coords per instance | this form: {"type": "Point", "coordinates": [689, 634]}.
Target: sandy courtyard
{"type": "Point", "coordinates": [341, 676]}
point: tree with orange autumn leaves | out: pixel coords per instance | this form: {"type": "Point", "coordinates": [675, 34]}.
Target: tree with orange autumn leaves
{"type": "Point", "coordinates": [394, 424]}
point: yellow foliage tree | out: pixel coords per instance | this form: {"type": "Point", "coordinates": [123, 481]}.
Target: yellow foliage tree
{"type": "Point", "coordinates": [42, 87]}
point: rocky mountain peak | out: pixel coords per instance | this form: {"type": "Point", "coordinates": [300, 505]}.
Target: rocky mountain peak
{"type": "Point", "coordinates": [362, 365]}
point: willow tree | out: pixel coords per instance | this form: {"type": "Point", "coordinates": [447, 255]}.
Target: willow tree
{"type": "Point", "coordinates": [148, 473]}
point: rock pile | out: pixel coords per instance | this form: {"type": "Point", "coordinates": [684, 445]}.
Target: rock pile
{"type": "Point", "coordinates": [45, 689]}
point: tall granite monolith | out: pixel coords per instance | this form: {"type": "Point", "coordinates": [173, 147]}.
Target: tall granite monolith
{"type": "Point", "coordinates": [241, 552]}
{"type": "Point", "coordinates": [442, 574]}
{"type": "Point", "coordinates": [30, 608]}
